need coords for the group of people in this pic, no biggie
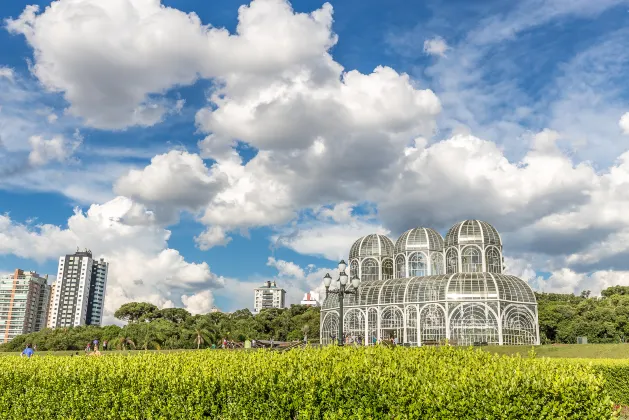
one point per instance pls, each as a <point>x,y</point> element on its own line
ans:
<point>93,346</point>
<point>90,348</point>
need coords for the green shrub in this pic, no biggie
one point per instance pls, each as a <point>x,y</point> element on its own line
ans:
<point>328,383</point>
<point>615,373</point>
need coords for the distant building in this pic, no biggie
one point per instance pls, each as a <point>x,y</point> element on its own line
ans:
<point>79,291</point>
<point>24,298</point>
<point>51,301</point>
<point>96,300</point>
<point>269,296</point>
<point>309,300</point>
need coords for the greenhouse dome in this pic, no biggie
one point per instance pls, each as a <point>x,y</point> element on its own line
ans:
<point>469,306</point>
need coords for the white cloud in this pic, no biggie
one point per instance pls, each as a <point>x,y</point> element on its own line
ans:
<point>568,281</point>
<point>57,149</point>
<point>111,59</point>
<point>198,303</point>
<point>286,268</point>
<point>624,123</point>
<point>340,213</point>
<point>330,240</point>
<point>7,73</point>
<point>211,237</point>
<point>436,46</point>
<point>176,179</point>
<point>142,267</point>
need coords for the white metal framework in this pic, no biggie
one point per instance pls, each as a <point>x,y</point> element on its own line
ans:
<point>459,295</point>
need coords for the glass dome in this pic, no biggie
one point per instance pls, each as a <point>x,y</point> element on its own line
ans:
<point>373,245</point>
<point>459,308</point>
<point>419,238</point>
<point>472,232</point>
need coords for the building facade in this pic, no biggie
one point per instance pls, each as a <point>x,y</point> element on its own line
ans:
<point>79,291</point>
<point>426,291</point>
<point>269,296</point>
<point>96,300</point>
<point>24,298</point>
<point>309,300</point>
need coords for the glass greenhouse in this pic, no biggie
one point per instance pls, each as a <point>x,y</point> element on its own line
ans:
<point>424,290</point>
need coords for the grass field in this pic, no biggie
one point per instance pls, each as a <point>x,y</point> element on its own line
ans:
<point>582,351</point>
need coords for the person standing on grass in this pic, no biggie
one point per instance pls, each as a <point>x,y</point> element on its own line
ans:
<point>105,345</point>
<point>95,342</point>
<point>28,351</point>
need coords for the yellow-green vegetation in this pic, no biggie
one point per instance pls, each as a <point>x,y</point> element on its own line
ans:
<point>583,351</point>
<point>435,383</point>
<point>615,373</point>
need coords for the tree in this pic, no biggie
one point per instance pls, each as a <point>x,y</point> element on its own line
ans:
<point>136,311</point>
<point>615,290</point>
<point>176,315</point>
<point>123,342</point>
<point>202,336</point>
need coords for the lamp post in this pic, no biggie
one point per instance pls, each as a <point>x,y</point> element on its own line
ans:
<point>341,291</point>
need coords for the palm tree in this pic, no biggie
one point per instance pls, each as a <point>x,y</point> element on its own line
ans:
<point>123,341</point>
<point>202,336</point>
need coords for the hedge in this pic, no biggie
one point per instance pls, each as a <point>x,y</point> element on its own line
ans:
<point>615,373</point>
<point>328,383</point>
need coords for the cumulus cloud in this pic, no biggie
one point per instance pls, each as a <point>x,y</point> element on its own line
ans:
<point>286,268</point>
<point>624,123</point>
<point>142,267</point>
<point>329,240</point>
<point>198,303</point>
<point>436,46</point>
<point>57,149</point>
<point>211,237</point>
<point>176,179</point>
<point>112,61</point>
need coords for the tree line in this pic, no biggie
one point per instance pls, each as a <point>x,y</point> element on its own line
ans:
<point>149,327</point>
<point>562,318</point>
<point>602,319</point>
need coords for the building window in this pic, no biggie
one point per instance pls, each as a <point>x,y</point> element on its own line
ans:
<point>387,270</point>
<point>353,269</point>
<point>452,261</point>
<point>369,270</point>
<point>437,263</point>
<point>472,260</point>
<point>417,265</point>
<point>492,260</point>
<point>400,267</point>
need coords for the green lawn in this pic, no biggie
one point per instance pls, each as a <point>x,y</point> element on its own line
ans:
<point>586,351</point>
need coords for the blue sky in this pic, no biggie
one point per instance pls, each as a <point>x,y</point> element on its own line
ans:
<point>314,124</point>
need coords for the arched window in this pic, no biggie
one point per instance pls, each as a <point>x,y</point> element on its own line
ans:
<point>400,267</point>
<point>437,263</point>
<point>353,269</point>
<point>369,270</point>
<point>492,259</point>
<point>387,269</point>
<point>452,261</point>
<point>471,260</point>
<point>417,265</point>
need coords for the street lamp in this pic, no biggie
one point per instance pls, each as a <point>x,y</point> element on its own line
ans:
<point>341,291</point>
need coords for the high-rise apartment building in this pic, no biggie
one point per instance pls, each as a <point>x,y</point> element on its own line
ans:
<point>96,300</point>
<point>268,296</point>
<point>24,300</point>
<point>79,291</point>
<point>51,302</point>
